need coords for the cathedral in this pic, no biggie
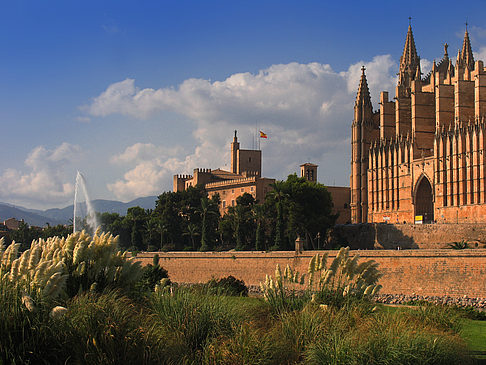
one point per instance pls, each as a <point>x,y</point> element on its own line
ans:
<point>421,158</point>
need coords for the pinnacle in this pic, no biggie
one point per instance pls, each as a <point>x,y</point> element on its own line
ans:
<point>409,56</point>
<point>409,60</point>
<point>363,95</point>
<point>466,52</point>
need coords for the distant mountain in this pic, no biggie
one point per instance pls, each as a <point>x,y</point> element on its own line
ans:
<point>55,216</point>
<point>33,219</point>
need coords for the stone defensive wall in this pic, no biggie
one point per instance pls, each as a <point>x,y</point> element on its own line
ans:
<point>408,236</point>
<point>454,273</point>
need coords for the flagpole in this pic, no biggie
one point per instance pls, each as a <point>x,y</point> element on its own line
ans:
<point>259,141</point>
<point>256,134</point>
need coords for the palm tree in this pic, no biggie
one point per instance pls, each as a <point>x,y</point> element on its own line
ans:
<point>259,214</point>
<point>205,211</point>
<point>279,195</point>
<point>191,230</point>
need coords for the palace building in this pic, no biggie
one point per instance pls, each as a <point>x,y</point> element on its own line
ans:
<point>244,177</point>
<point>421,157</point>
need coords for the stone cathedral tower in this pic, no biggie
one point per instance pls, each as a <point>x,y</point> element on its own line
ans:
<point>363,132</point>
<point>421,157</point>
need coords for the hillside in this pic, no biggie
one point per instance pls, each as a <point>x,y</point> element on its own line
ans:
<point>55,216</point>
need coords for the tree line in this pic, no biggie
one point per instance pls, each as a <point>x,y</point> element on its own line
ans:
<point>189,220</point>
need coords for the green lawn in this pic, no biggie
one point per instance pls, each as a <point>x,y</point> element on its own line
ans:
<point>474,333</point>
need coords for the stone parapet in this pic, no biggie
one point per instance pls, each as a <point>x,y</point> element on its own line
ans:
<point>218,184</point>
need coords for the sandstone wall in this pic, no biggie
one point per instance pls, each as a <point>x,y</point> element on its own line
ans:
<point>423,272</point>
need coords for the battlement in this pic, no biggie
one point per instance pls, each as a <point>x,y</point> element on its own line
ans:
<point>198,170</point>
<point>183,177</point>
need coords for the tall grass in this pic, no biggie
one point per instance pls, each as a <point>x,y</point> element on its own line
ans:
<point>26,336</point>
<point>399,337</point>
<point>249,346</point>
<point>341,283</point>
<point>105,329</point>
<point>185,322</point>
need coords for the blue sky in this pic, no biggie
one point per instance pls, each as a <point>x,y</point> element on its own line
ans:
<point>130,93</point>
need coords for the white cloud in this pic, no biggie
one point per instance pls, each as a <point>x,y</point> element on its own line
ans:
<point>379,74</point>
<point>143,180</point>
<point>481,54</point>
<point>49,178</point>
<point>288,91</point>
<point>306,109</point>
<point>425,66</point>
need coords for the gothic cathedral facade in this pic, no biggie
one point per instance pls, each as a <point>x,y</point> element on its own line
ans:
<point>421,157</point>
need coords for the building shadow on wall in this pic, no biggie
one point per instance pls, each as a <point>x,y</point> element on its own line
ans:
<point>370,236</point>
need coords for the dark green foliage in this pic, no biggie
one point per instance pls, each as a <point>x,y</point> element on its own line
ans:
<point>118,226</point>
<point>137,217</point>
<point>152,274</point>
<point>209,222</point>
<point>26,234</point>
<point>260,239</point>
<point>471,313</point>
<point>302,208</point>
<point>243,222</point>
<point>228,285</point>
<point>462,245</point>
<point>277,198</point>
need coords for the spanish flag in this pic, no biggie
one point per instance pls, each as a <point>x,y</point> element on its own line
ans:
<point>263,135</point>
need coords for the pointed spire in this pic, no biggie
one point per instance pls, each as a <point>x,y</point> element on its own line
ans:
<point>418,74</point>
<point>409,60</point>
<point>466,52</point>
<point>450,69</point>
<point>363,96</point>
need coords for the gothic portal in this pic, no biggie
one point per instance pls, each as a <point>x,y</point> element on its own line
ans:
<point>424,201</point>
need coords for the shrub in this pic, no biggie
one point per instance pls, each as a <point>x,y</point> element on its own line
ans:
<point>152,274</point>
<point>228,286</point>
<point>461,245</point>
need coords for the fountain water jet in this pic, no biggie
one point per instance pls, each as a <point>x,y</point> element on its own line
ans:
<point>91,220</point>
